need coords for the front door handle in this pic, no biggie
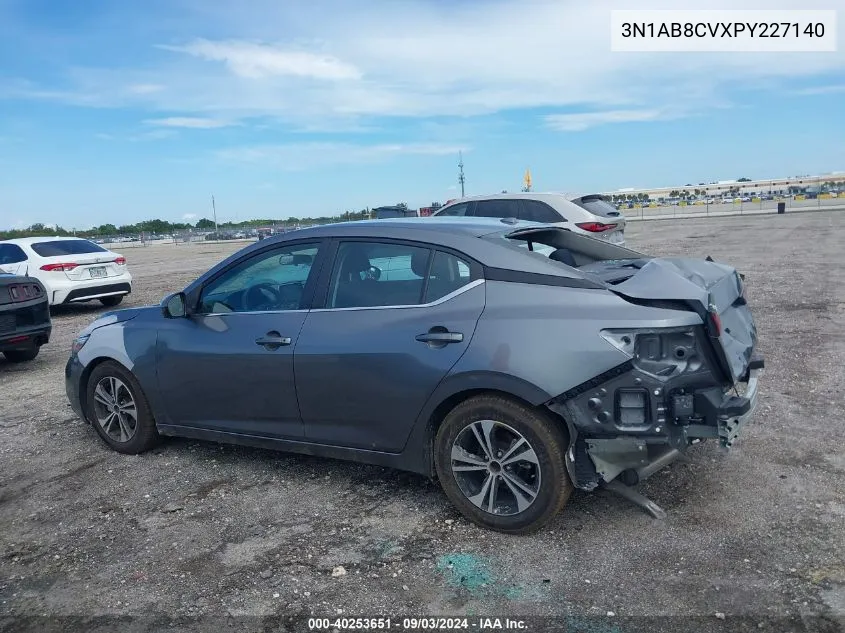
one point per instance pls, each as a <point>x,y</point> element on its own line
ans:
<point>272,340</point>
<point>440,337</point>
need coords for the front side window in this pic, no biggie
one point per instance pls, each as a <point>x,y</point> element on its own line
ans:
<point>372,274</point>
<point>61,248</point>
<point>11,254</point>
<point>455,210</point>
<point>269,282</point>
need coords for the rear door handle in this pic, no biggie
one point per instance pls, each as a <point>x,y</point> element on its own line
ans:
<point>440,337</point>
<point>272,340</point>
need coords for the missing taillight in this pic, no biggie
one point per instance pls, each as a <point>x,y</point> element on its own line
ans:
<point>715,324</point>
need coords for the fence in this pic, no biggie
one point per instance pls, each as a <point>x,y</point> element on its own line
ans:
<point>755,206</point>
<point>649,211</point>
<point>193,236</point>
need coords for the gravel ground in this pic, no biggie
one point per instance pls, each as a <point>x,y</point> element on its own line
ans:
<point>234,534</point>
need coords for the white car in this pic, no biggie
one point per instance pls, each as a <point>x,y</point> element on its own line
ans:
<point>71,269</point>
<point>588,215</point>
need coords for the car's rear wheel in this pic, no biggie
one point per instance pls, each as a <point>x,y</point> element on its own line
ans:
<point>110,302</point>
<point>502,464</point>
<point>22,355</point>
<point>118,410</point>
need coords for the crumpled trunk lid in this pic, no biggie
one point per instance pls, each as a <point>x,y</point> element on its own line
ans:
<point>707,288</point>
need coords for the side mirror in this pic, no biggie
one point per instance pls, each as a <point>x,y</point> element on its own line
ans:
<point>174,306</point>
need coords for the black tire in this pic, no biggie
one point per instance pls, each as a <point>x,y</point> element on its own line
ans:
<point>110,302</point>
<point>22,355</point>
<point>144,435</point>
<point>542,433</point>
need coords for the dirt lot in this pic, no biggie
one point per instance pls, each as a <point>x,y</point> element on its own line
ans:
<point>195,529</point>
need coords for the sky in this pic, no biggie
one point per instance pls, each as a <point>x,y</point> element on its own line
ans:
<point>114,111</point>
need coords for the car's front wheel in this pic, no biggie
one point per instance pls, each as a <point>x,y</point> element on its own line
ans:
<point>502,464</point>
<point>110,302</point>
<point>22,355</point>
<point>118,410</point>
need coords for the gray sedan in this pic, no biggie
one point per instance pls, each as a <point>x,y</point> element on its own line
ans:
<point>513,361</point>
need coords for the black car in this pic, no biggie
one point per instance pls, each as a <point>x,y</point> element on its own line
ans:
<point>24,317</point>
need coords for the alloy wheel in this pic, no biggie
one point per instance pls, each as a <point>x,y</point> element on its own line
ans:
<point>496,468</point>
<point>115,409</point>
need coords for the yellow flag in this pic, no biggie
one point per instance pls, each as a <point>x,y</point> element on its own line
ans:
<point>527,179</point>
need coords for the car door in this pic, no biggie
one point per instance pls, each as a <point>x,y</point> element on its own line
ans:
<point>396,317</point>
<point>229,366</point>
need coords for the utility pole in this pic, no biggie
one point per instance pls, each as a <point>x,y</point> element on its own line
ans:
<point>214,210</point>
<point>461,178</point>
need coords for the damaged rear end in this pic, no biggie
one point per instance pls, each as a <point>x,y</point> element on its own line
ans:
<point>679,385</point>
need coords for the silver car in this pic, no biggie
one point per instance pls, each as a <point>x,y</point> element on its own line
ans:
<point>585,214</point>
<point>451,347</point>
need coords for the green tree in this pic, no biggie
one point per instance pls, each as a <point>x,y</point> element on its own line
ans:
<point>204,223</point>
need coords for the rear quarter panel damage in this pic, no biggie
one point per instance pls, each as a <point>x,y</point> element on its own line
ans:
<point>549,336</point>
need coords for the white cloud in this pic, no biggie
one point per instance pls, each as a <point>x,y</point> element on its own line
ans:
<point>821,90</point>
<point>145,89</point>
<point>152,135</point>
<point>256,60</point>
<point>189,216</point>
<point>579,121</point>
<point>302,156</point>
<point>198,123</point>
<point>317,64</point>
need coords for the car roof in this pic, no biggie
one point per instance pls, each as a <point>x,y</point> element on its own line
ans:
<point>457,233</point>
<point>446,225</point>
<point>527,195</point>
<point>35,240</point>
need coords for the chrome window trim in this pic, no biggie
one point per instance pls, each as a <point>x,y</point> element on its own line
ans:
<point>445,298</point>
<point>451,295</point>
<point>218,314</point>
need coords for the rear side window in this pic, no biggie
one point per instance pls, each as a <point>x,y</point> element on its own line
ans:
<point>60,248</point>
<point>11,254</point>
<point>377,274</point>
<point>536,211</point>
<point>448,273</point>
<point>455,209</point>
<point>497,209</point>
<point>597,206</point>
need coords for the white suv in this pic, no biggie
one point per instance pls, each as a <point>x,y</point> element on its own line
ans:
<point>71,269</point>
<point>588,215</point>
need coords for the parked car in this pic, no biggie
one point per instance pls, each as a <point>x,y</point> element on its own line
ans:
<point>457,347</point>
<point>587,215</point>
<point>24,317</point>
<point>71,269</point>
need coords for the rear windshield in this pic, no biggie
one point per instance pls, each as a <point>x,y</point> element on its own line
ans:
<point>59,248</point>
<point>597,206</point>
